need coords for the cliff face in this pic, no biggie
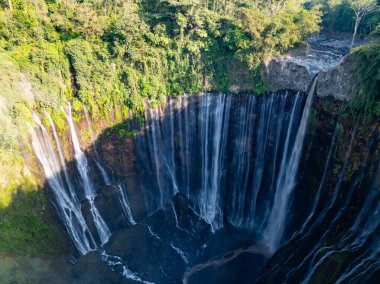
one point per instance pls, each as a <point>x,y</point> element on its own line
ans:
<point>119,154</point>
<point>130,159</point>
<point>132,153</point>
<point>295,71</point>
<point>340,81</point>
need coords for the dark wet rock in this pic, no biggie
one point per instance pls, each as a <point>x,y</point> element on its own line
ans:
<point>100,271</point>
<point>147,255</point>
<point>167,244</point>
<point>86,211</point>
<point>160,249</point>
<point>134,191</point>
<point>119,154</point>
<point>109,207</point>
<point>244,269</point>
<point>188,220</point>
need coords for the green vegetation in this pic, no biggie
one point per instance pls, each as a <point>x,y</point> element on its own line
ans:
<point>339,15</point>
<point>113,56</point>
<point>26,227</point>
<point>361,9</point>
<point>122,53</point>
<point>367,99</point>
<point>359,17</point>
<point>127,52</point>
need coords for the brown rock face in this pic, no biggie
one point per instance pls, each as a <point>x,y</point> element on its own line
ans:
<point>120,153</point>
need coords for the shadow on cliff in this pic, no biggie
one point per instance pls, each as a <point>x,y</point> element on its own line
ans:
<point>124,152</point>
<point>29,227</point>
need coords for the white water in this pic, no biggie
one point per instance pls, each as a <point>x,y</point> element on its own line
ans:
<point>80,158</point>
<point>212,155</point>
<point>66,203</point>
<point>182,254</point>
<point>125,204</point>
<point>241,160</point>
<point>288,172</point>
<point>254,122</point>
<point>116,261</point>
<point>243,172</point>
<point>67,198</point>
<point>240,144</point>
<point>83,169</point>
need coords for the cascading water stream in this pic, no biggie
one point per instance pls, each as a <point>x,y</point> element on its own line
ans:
<point>66,202</point>
<point>241,159</point>
<point>67,198</point>
<point>80,158</point>
<point>213,153</point>
<point>83,169</point>
<point>206,163</point>
<point>213,119</point>
<point>118,187</point>
<point>231,131</point>
<point>276,223</point>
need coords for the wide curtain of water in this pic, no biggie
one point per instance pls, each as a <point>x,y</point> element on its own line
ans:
<point>235,157</point>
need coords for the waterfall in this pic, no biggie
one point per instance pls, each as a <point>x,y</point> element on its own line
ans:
<point>65,199</point>
<point>107,180</point>
<point>80,158</point>
<point>215,117</point>
<point>125,204</point>
<point>241,161</point>
<point>288,172</point>
<point>83,169</point>
<point>157,153</point>
<point>222,151</point>
<point>215,163</point>
<point>171,165</point>
<point>188,136</point>
<point>234,156</point>
<point>236,159</point>
<point>67,196</point>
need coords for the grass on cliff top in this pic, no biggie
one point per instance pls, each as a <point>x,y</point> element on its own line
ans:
<point>27,227</point>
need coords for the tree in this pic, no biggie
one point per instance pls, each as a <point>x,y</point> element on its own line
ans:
<point>4,3</point>
<point>361,8</point>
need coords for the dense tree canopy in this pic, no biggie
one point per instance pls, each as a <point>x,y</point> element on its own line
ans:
<point>103,53</point>
<point>340,17</point>
<point>124,51</point>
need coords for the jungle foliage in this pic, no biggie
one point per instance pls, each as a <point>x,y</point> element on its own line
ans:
<point>102,53</point>
<point>129,51</point>
<point>339,15</point>
<point>367,100</point>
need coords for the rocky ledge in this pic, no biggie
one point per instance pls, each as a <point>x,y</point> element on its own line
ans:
<point>323,55</point>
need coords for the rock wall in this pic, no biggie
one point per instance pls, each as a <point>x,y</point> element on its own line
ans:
<point>337,75</point>
<point>341,81</point>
